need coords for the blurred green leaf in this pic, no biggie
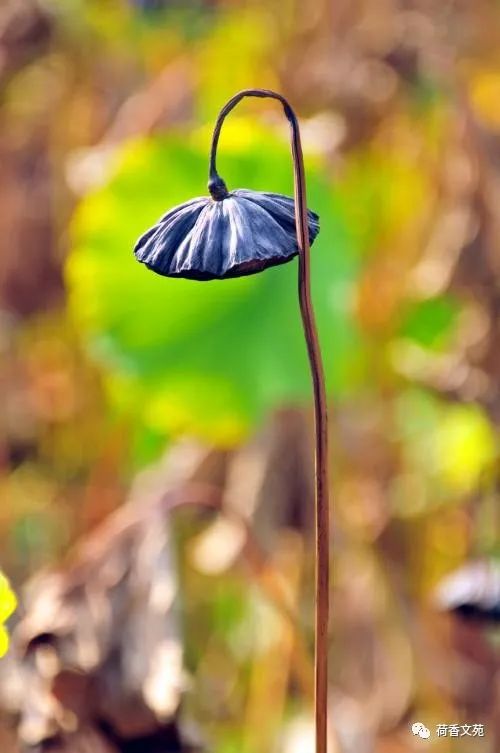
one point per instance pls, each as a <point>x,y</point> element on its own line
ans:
<point>207,358</point>
<point>431,322</point>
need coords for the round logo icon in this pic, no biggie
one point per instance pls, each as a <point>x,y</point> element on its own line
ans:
<point>421,730</point>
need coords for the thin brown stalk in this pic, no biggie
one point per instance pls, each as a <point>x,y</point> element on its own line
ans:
<point>217,188</point>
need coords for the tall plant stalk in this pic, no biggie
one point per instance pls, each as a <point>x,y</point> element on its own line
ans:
<point>218,189</point>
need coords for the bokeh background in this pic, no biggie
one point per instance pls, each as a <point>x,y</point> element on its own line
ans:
<point>122,391</point>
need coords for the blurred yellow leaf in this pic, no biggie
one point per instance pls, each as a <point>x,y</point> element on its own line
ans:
<point>8,605</point>
<point>4,641</point>
<point>464,445</point>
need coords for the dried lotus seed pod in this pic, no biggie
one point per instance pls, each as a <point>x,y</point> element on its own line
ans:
<point>240,233</point>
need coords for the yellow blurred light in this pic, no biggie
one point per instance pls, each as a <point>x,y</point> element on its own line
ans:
<point>464,445</point>
<point>485,96</point>
<point>8,605</point>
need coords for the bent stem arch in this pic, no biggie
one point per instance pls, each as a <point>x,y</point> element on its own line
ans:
<point>218,190</point>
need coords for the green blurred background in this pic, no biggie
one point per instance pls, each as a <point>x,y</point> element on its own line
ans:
<point>106,111</point>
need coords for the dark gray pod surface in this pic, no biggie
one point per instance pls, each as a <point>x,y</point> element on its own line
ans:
<point>241,234</point>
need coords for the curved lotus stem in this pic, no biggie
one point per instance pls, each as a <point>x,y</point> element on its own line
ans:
<point>218,190</point>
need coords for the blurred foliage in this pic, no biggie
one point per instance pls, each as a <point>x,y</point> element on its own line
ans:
<point>106,117</point>
<point>8,605</point>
